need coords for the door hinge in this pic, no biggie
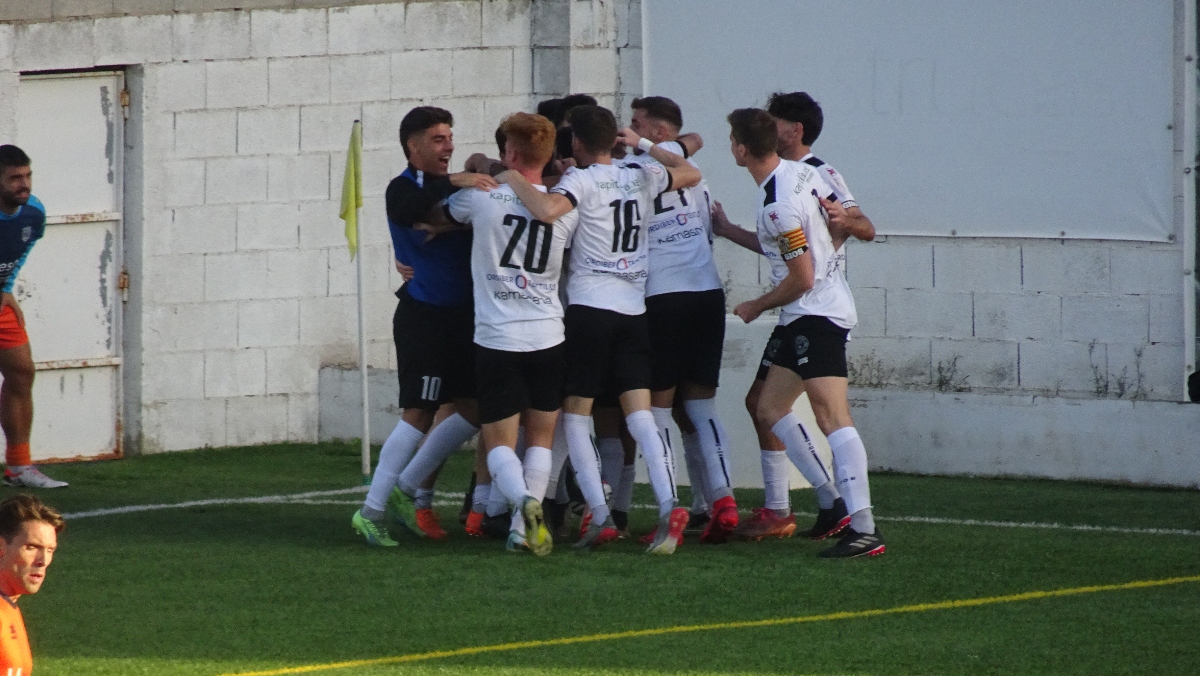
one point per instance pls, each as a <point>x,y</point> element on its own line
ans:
<point>125,103</point>
<point>123,285</point>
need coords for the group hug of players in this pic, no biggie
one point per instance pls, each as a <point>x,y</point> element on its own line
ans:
<point>571,283</point>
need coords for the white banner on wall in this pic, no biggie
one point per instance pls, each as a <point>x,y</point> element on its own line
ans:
<point>1010,119</point>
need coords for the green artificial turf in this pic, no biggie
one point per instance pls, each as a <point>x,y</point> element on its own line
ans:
<point>226,588</point>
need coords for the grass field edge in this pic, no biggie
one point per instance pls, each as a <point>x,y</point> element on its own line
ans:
<point>743,624</point>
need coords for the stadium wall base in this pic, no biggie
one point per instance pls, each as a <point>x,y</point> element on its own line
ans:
<point>1138,442</point>
<point>919,431</point>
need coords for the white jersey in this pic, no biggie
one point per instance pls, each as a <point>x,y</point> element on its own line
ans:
<point>790,222</point>
<point>515,262</point>
<point>680,232</point>
<point>838,192</point>
<point>608,253</point>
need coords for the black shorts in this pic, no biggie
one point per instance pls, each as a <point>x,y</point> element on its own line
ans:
<point>510,382</point>
<point>687,334</point>
<point>434,352</point>
<point>811,346</point>
<point>606,352</point>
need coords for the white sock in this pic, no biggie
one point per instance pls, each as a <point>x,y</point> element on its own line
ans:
<point>662,421</point>
<point>558,458</point>
<point>497,504</point>
<point>800,450</point>
<point>703,414</point>
<point>660,463</point>
<point>850,460</point>
<point>424,498</point>
<point>775,480</point>
<point>444,439</point>
<point>537,470</point>
<point>480,497</point>
<point>612,459</point>
<point>695,467</point>
<point>395,454</point>
<point>622,497</point>
<point>586,462</point>
<point>507,473</point>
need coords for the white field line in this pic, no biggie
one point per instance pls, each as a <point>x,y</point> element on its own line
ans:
<point>129,509</point>
<point>455,499</point>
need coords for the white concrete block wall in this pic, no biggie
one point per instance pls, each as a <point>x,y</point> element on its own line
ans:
<point>248,289</point>
<point>1079,319</point>
<point>247,285</point>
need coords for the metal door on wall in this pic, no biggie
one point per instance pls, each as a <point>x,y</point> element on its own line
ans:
<point>70,287</point>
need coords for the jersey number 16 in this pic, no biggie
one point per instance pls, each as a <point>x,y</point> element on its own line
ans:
<point>625,230</point>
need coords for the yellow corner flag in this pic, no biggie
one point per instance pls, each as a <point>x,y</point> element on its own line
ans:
<point>352,188</point>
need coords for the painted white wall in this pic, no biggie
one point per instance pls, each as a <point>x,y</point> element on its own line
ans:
<point>244,285</point>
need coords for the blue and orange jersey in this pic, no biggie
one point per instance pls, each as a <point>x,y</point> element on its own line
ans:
<point>17,236</point>
<point>442,265</point>
<point>15,656</point>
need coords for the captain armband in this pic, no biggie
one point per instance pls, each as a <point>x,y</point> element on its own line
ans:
<point>792,244</point>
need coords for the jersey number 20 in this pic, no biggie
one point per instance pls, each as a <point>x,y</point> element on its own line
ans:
<point>536,229</point>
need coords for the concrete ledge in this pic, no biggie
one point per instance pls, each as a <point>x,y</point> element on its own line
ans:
<point>45,10</point>
<point>340,403</point>
<point>1142,442</point>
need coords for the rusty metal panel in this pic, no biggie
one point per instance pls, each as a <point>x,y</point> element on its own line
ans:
<point>71,127</point>
<point>68,291</point>
<point>69,288</point>
<point>74,416</point>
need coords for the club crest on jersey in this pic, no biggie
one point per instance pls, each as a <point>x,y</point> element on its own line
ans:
<point>26,233</point>
<point>773,216</point>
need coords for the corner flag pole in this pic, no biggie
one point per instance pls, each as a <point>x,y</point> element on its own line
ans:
<point>351,209</point>
<point>362,365</point>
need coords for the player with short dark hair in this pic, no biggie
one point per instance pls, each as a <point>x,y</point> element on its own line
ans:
<point>807,350</point>
<point>432,329</point>
<point>685,309</point>
<point>22,223</point>
<point>798,123</point>
<point>28,539</point>
<point>607,344</point>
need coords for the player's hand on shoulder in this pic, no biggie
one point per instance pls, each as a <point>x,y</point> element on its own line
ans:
<point>747,311</point>
<point>467,179</point>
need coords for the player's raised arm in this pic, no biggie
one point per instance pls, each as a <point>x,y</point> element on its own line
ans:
<point>547,207</point>
<point>845,223</point>
<point>482,164</point>
<point>691,142</point>
<point>469,179</point>
<point>683,173</point>
<point>801,276</point>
